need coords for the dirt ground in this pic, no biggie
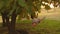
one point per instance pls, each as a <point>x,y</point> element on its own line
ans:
<point>53,14</point>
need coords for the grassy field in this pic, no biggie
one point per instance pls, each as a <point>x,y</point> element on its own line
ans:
<point>45,27</point>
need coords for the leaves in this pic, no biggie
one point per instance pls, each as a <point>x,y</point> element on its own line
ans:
<point>21,3</point>
<point>13,8</point>
<point>12,5</point>
<point>1,4</point>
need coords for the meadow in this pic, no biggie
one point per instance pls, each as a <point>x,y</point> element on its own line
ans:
<point>45,27</point>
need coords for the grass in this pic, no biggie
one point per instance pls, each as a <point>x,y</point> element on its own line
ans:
<point>45,27</point>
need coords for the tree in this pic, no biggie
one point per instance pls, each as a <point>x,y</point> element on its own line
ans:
<point>11,8</point>
<point>47,7</point>
<point>5,12</point>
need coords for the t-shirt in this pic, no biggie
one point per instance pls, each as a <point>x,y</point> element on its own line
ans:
<point>36,20</point>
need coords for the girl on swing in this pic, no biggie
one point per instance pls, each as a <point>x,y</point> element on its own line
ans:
<point>36,20</point>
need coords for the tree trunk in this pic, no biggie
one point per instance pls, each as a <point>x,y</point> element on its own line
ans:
<point>8,24</point>
<point>3,20</point>
<point>12,25</point>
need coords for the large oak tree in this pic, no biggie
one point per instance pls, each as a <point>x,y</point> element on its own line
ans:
<point>9,9</point>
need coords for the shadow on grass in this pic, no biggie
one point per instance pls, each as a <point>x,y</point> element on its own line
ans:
<point>45,27</point>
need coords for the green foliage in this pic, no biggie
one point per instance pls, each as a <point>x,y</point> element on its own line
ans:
<point>1,4</point>
<point>17,4</point>
<point>22,3</point>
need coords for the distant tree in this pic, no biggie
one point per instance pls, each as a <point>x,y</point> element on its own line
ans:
<point>47,7</point>
<point>46,2</point>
